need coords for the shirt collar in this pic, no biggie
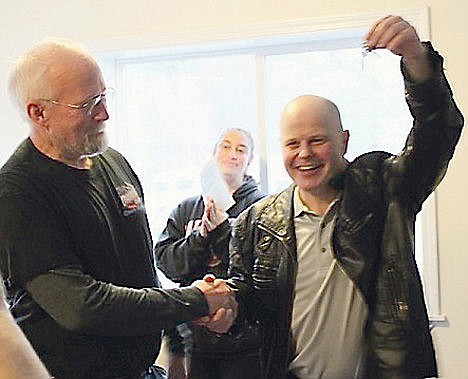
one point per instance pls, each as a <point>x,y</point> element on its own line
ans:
<point>300,208</point>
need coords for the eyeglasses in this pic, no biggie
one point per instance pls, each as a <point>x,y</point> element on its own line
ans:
<point>89,104</point>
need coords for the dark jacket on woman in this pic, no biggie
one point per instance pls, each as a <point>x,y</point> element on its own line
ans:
<point>184,259</point>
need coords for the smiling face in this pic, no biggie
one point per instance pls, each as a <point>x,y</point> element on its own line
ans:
<point>233,154</point>
<point>313,145</point>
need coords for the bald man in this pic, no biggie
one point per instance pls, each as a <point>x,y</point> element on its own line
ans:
<point>75,245</point>
<point>327,266</point>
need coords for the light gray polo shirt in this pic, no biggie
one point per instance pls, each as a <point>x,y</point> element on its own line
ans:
<point>329,312</point>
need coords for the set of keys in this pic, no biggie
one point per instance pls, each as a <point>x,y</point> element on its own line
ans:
<point>365,50</point>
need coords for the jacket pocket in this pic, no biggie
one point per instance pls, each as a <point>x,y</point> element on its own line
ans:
<point>399,302</point>
<point>265,266</point>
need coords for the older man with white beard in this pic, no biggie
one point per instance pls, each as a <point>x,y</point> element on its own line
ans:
<point>75,245</point>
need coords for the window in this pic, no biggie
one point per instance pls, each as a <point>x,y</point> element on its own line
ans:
<point>171,104</point>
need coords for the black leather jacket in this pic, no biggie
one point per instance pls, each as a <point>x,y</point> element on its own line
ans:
<point>185,259</point>
<point>373,241</point>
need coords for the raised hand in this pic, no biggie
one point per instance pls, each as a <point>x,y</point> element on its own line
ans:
<point>397,35</point>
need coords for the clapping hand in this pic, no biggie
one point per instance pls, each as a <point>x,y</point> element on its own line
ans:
<point>212,217</point>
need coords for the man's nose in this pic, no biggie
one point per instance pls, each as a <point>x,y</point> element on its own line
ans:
<point>101,112</point>
<point>305,151</point>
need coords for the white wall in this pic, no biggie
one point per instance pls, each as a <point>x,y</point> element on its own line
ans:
<point>132,24</point>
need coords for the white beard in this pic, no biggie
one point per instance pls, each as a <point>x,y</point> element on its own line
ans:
<point>87,148</point>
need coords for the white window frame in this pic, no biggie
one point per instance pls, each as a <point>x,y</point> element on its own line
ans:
<point>260,36</point>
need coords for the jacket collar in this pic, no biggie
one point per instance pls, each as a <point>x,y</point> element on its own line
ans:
<point>276,216</point>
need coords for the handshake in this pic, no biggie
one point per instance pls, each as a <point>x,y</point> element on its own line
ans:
<point>221,301</point>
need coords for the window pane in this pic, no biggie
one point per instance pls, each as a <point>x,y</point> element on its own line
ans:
<point>368,92</point>
<point>170,109</point>
<point>173,110</point>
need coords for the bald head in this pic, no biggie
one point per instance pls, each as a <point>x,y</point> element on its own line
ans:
<point>313,144</point>
<point>315,109</point>
<point>48,62</point>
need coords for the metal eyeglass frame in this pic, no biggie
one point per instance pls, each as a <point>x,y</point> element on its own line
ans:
<point>90,103</point>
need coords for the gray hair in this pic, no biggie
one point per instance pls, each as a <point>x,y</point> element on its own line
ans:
<point>27,79</point>
<point>245,133</point>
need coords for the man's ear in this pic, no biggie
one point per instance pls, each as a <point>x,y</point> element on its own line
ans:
<point>345,141</point>
<point>36,114</point>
